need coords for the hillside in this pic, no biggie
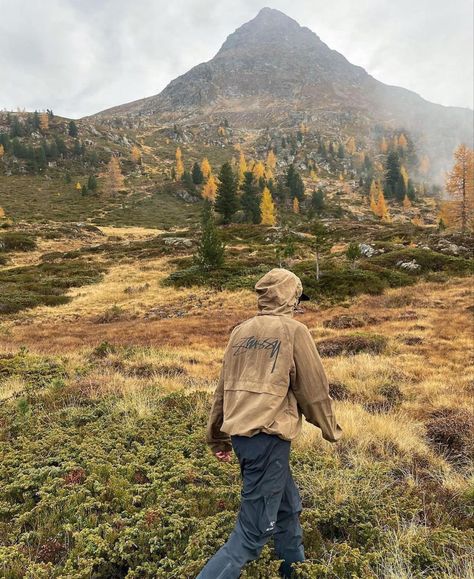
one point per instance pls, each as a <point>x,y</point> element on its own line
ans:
<point>273,72</point>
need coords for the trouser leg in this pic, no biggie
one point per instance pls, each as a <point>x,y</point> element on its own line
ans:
<point>264,463</point>
<point>288,533</point>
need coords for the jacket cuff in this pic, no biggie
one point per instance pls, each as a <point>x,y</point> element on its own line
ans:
<point>221,446</point>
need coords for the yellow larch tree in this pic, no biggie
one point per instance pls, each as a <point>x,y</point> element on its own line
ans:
<point>418,221</point>
<point>179,167</point>
<point>313,175</point>
<point>242,167</point>
<point>267,208</point>
<point>221,131</point>
<point>296,205</point>
<point>373,197</point>
<point>425,165</point>
<point>44,121</point>
<point>206,168</point>
<point>351,145</point>
<point>402,141</point>
<point>404,174</point>
<point>459,209</point>
<point>258,170</point>
<point>114,180</point>
<point>271,160</point>
<point>406,202</point>
<point>382,208</point>
<point>78,186</point>
<point>136,155</point>
<point>2,213</point>
<point>2,151</point>
<point>210,189</point>
<point>383,145</point>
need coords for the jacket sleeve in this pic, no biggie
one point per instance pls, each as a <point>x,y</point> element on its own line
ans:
<point>216,439</point>
<point>310,386</point>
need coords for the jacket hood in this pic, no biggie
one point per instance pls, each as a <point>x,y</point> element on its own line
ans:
<point>278,292</point>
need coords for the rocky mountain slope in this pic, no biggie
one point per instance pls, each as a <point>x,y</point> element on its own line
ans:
<point>273,72</point>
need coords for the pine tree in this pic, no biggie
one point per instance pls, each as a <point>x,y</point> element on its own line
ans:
<point>459,210</point>
<point>36,121</point>
<point>197,174</point>
<point>296,205</point>
<point>210,189</point>
<point>267,208</point>
<point>250,199</point>
<point>114,181</point>
<point>206,168</point>
<point>227,201</point>
<point>136,155</point>
<point>340,151</point>
<point>179,167</point>
<point>394,183</point>
<point>72,129</point>
<point>317,201</point>
<point>353,253</point>
<point>295,183</point>
<point>92,183</point>
<point>210,251</point>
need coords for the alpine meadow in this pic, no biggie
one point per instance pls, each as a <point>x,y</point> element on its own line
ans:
<point>130,244</point>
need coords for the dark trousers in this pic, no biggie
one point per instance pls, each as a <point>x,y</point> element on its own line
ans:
<point>270,507</point>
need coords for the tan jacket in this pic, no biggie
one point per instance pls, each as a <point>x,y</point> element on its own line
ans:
<point>271,372</point>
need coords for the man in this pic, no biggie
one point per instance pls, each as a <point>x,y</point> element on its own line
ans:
<point>271,374</point>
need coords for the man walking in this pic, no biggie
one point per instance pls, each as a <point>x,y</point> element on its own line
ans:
<point>271,375</point>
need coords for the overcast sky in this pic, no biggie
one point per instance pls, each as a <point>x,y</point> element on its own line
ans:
<point>81,56</point>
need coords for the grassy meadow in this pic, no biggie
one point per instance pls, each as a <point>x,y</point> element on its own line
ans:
<point>105,385</point>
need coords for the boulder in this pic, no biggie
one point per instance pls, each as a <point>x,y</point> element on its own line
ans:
<point>185,196</point>
<point>366,250</point>
<point>178,242</point>
<point>409,265</point>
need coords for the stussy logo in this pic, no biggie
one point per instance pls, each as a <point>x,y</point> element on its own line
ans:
<point>254,343</point>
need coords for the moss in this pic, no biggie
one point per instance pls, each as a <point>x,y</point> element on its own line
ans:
<point>44,284</point>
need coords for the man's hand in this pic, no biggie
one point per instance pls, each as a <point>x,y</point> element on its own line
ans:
<point>224,455</point>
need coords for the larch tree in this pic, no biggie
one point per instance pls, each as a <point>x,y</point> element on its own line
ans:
<point>296,205</point>
<point>78,186</point>
<point>242,167</point>
<point>383,146</point>
<point>404,174</point>
<point>424,167</point>
<point>351,146</point>
<point>206,168</point>
<point>114,180</point>
<point>271,160</point>
<point>459,209</point>
<point>406,202</point>
<point>227,201</point>
<point>2,151</point>
<point>44,121</point>
<point>313,174</point>
<point>210,189</point>
<point>267,208</point>
<point>382,209</point>
<point>402,142</point>
<point>2,213</point>
<point>179,166</point>
<point>258,170</point>
<point>136,155</point>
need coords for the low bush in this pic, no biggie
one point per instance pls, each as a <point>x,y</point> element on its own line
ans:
<point>352,344</point>
<point>17,241</point>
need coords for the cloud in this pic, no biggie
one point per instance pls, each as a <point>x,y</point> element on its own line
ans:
<point>81,56</point>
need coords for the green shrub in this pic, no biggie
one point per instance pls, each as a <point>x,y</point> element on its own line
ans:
<point>17,241</point>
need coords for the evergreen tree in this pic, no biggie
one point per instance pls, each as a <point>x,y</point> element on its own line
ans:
<point>394,183</point>
<point>197,174</point>
<point>92,183</point>
<point>340,151</point>
<point>353,253</point>
<point>227,201</point>
<point>72,129</point>
<point>210,252</point>
<point>317,201</point>
<point>295,183</point>
<point>320,243</point>
<point>16,129</point>
<point>250,200</point>
<point>188,181</point>
<point>36,121</point>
